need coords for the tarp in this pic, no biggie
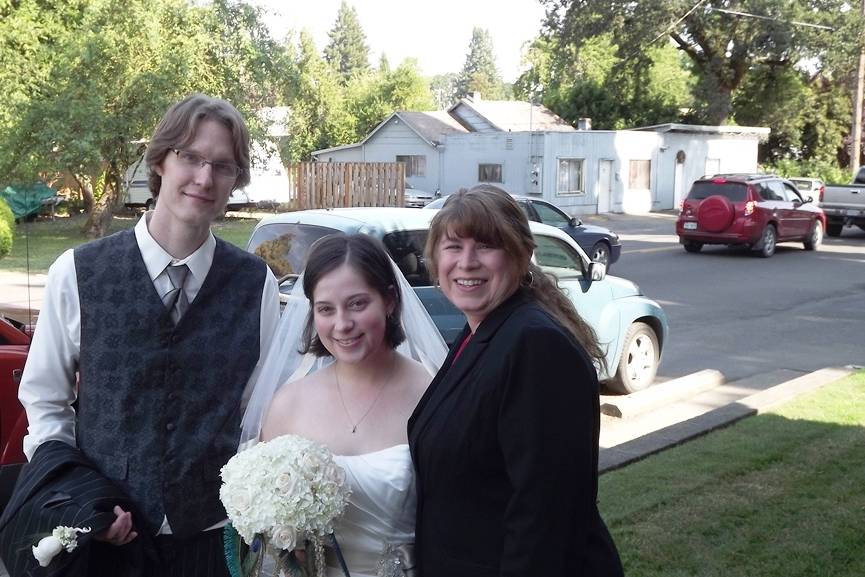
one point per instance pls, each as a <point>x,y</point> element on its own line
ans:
<point>25,200</point>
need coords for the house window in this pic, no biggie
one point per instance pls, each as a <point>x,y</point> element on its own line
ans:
<point>571,176</point>
<point>489,173</point>
<point>415,164</point>
<point>640,175</point>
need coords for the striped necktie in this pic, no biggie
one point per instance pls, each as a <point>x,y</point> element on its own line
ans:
<point>176,300</point>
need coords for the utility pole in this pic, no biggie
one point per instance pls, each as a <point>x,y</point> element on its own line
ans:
<point>856,145</point>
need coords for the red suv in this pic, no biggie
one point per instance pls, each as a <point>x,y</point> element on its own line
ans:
<point>757,211</point>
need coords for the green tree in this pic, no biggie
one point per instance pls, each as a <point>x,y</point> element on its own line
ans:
<point>595,81</point>
<point>444,90</point>
<point>722,46</point>
<point>372,98</point>
<point>347,51</point>
<point>109,77</point>
<point>319,118</point>
<point>480,73</point>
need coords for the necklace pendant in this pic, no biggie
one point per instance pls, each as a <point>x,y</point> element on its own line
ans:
<point>354,430</point>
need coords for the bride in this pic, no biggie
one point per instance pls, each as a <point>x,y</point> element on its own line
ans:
<point>351,381</point>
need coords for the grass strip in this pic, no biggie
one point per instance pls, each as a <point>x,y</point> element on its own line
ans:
<point>779,494</point>
<point>48,239</point>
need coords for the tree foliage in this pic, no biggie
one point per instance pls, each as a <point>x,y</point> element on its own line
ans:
<point>347,51</point>
<point>739,61</point>
<point>105,74</point>
<point>480,73</point>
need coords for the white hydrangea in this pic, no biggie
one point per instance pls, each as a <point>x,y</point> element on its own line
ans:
<point>283,488</point>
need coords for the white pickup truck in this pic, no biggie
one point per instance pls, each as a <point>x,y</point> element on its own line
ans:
<point>844,204</point>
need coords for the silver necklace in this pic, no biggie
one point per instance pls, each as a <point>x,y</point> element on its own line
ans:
<point>351,422</point>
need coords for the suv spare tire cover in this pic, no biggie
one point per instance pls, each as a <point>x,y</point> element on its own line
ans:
<point>715,213</point>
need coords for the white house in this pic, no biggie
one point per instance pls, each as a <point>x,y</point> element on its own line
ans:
<point>527,149</point>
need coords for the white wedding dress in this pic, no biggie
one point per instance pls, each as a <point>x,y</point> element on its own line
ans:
<point>380,512</point>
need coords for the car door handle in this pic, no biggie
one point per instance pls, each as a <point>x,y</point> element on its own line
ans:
<point>16,376</point>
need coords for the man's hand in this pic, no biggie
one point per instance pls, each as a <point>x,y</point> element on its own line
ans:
<point>120,532</point>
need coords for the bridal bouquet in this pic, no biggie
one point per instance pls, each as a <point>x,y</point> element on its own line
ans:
<point>284,491</point>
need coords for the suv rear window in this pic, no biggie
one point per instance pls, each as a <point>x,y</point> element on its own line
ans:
<point>406,249</point>
<point>734,191</point>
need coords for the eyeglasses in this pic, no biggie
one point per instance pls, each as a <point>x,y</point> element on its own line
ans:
<point>220,169</point>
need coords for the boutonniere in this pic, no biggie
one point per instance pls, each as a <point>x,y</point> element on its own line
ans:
<point>60,538</point>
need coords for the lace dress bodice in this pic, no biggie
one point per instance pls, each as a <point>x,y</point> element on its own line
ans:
<point>380,513</point>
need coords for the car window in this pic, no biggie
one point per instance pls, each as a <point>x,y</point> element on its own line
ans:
<point>791,193</point>
<point>284,246</point>
<point>734,191</point>
<point>777,189</point>
<point>549,215</point>
<point>767,192</point>
<point>554,255</point>
<point>406,249</point>
<point>803,184</point>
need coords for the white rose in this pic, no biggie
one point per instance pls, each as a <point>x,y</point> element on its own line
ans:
<point>284,537</point>
<point>47,549</point>
<point>241,501</point>
<point>286,482</point>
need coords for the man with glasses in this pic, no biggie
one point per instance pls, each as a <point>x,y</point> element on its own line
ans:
<point>161,327</point>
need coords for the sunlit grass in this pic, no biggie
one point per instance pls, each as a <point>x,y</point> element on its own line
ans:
<point>779,494</point>
<point>42,241</point>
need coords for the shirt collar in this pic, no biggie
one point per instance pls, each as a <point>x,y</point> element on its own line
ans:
<point>156,258</point>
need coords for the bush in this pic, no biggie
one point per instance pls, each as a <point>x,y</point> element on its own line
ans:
<point>829,173</point>
<point>7,225</point>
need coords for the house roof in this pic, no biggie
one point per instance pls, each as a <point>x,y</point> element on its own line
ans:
<point>431,125</point>
<point>512,115</point>
<point>760,131</point>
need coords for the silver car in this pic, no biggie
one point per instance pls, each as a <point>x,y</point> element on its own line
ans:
<point>631,327</point>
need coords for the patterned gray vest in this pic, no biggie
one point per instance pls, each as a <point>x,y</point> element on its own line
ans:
<point>159,405</point>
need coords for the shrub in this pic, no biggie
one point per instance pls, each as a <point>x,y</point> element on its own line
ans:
<point>7,225</point>
<point>829,173</point>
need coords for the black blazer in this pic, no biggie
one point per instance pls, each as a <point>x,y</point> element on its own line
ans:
<point>60,486</point>
<point>505,446</point>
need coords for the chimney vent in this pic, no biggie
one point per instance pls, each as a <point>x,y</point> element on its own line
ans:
<point>584,124</point>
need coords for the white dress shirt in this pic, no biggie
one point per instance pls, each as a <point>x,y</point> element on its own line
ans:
<point>47,388</point>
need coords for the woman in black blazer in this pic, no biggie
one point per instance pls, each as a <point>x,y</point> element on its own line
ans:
<point>505,439</point>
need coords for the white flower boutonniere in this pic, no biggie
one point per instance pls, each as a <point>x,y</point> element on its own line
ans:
<point>60,538</point>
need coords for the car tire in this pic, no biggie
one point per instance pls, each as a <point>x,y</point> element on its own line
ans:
<point>693,246</point>
<point>768,241</point>
<point>601,253</point>
<point>639,362</point>
<point>815,237</point>
<point>834,229</point>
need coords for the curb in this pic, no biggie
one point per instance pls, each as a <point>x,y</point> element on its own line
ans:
<point>661,394</point>
<point>626,453</point>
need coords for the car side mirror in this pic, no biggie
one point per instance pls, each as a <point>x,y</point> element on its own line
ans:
<point>597,271</point>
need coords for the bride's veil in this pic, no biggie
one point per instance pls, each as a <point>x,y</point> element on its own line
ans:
<point>284,363</point>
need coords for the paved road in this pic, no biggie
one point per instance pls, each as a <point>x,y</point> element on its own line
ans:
<point>746,316</point>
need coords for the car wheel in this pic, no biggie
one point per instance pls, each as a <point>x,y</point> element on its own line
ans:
<point>768,241</point>
<point>601,253</point>
<point>834,229</point>
<point>816,237</point>
<point>639,362</point>
<point>693,246</point>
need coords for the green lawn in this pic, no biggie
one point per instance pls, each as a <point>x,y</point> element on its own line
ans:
<point>779,494</point>
<point>45,240</point>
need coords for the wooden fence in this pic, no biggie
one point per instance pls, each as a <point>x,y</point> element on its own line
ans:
<point>340,184</point>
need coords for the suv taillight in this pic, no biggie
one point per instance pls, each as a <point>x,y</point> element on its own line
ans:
<point>749,208</point>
